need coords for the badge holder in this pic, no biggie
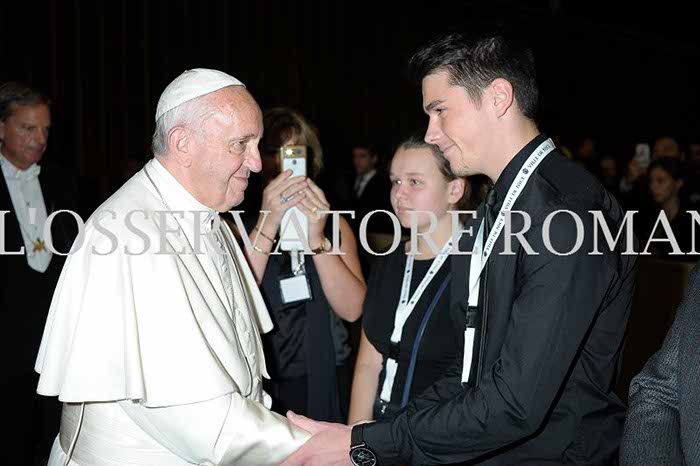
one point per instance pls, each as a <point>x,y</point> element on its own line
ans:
<point>295,286</point>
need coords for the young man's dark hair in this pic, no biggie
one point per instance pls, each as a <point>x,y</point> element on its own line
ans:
<point>474,63</point>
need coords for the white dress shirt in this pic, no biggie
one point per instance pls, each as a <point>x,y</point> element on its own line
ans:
<point>362,181</point>
<point>30,209</point>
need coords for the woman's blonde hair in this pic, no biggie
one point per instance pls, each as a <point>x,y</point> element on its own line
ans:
<point>283,124</point>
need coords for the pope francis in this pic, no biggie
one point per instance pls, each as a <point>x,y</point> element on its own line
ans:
<point>152,341</point>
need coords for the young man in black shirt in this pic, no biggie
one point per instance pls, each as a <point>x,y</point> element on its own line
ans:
<point>549,323</point>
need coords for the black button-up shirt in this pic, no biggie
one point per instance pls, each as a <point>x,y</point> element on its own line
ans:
<point>553,339</point>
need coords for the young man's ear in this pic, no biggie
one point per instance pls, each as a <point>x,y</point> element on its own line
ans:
<point>501,96</point>
<point>180,144</point>
<point>456,190</point>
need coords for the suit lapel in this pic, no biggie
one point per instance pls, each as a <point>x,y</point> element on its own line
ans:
<point>13,234</point>
<point>46,190</point>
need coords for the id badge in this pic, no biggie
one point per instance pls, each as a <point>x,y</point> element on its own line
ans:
<point>295,288</point>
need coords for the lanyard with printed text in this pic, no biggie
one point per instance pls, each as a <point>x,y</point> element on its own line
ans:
<point>482,250</point>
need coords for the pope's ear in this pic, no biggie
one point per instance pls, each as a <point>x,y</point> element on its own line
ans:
<point>180,144</point>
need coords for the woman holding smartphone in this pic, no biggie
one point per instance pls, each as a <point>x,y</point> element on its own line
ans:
<point>308,346</point>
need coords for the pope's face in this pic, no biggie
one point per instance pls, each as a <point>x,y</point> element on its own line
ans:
<point>25,134</point>
<point>226,149</point>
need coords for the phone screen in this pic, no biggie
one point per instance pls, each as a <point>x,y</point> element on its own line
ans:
<point>642,154</point>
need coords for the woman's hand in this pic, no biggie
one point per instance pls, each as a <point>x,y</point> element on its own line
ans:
<point>313,203</point>
<point>634,171</point>
<point>282,193</point>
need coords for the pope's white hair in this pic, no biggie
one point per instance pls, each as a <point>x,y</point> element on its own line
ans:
<point>187,115</point>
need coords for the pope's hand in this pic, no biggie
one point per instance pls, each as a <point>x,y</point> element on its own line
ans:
<point>328,446</point>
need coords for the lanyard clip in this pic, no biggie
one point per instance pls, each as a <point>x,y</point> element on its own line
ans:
<point>393,352</point>
<point>472,313</point>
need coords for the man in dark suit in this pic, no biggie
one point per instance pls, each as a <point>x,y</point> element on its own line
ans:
<point>29,193</point>
<point>546,332</point>
<point>663,419</point>
<point>370,190</point>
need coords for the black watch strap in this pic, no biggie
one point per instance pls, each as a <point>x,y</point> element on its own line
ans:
<point>356,436</point>
<point>360,453</point>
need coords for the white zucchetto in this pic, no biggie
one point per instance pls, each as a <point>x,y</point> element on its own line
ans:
<point>192,84</point>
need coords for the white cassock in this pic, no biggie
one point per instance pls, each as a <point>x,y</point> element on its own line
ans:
<point>157,357</point>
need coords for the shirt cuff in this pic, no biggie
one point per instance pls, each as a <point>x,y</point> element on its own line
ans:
<point>378,437</point>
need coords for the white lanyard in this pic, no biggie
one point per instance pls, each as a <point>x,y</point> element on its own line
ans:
<point>405,308</point>
<point>297,261</point>
<point>482,251</point>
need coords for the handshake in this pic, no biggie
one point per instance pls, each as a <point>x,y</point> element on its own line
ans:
<point>330,444</point>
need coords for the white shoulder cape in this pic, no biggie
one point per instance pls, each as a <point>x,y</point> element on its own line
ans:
<point>147,327</point>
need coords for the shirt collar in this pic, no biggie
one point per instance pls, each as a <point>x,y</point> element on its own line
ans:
<point>511,171</point>
<point>177,197</point>
<point>13,173</point>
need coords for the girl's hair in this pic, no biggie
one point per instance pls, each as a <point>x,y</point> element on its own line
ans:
<point>416,141</point>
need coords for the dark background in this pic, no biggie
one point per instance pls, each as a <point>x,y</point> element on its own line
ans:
<point>621,73</point>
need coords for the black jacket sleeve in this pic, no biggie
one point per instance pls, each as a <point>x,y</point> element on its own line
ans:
<point>548,326</point>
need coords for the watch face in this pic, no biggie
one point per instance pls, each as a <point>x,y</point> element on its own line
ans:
<point>363,457</point>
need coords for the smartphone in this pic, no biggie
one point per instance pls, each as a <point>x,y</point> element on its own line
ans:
<point>293,158</point>
<point>642,154</point>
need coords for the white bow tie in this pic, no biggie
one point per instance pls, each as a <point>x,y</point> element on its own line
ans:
<point>25,175</point>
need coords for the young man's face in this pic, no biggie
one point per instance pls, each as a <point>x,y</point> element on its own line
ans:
<point>458,126</point>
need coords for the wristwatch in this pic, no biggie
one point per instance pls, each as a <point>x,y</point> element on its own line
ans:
<point>360,453</point>
<point>325,246</point>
